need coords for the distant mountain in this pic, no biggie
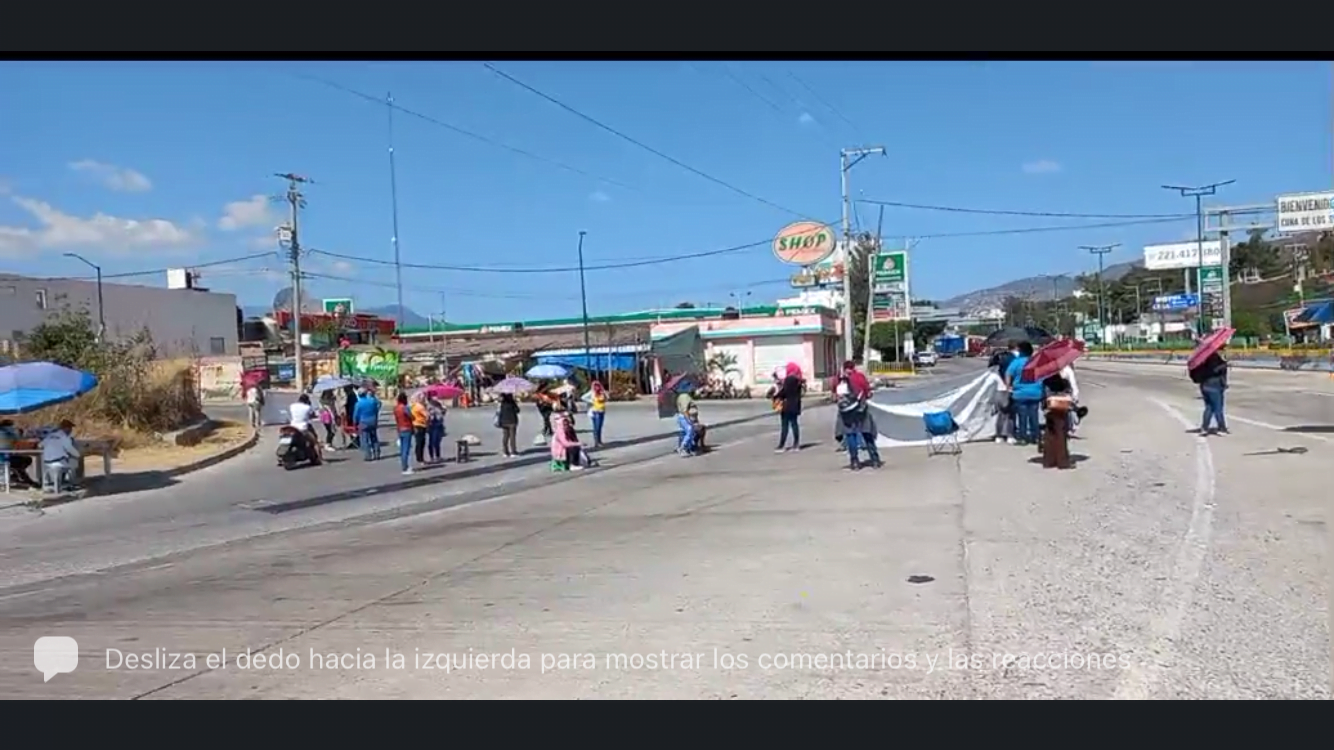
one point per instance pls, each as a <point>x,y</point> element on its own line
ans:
<point>411,318</point>
<point>1038,287</point>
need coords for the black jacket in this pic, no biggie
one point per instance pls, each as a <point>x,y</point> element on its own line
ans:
<point>790,394</point>
<point>1212,372</point>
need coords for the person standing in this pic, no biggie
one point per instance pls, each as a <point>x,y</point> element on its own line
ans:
<point>1211,376</point>
<point>421,419</point>
<point>366,416</point>
<point>1001,403</point>
<point>788,398</point>
<point>545,405</point>
<point>435,428</point>
<point>597,411</point>
<point>1025,394</point>
<point>403,423</point>
<point>507,419</point>
<point>254,400</point>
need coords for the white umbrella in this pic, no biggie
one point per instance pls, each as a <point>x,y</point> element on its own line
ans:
<point>330,383</point>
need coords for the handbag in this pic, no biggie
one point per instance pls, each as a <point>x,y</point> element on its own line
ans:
<point>495,418</point>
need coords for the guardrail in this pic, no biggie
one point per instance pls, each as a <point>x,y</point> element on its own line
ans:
<point>1286,362</point>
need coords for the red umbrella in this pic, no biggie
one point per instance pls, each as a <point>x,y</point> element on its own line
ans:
<point>443,391</point>
<point>1051,359</point>
<point>1208,345</point>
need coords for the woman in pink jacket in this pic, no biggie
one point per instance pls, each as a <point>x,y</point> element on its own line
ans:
<point>565,448</point>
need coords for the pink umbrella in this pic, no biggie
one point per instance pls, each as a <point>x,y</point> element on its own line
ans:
<point>443,391</point>
<point>1208,345</point>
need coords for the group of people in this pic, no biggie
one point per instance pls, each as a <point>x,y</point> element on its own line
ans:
<point>854,426</point>
<point>58,450</point>
<point>1019,400</point>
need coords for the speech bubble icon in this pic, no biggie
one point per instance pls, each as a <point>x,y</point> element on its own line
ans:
<point>55,654</point>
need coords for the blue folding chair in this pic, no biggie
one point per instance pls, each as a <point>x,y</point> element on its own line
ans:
<point>942,434</point>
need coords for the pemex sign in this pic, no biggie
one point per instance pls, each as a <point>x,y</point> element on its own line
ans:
<point>804,243</point>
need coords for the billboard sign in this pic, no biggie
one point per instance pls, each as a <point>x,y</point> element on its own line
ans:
<point>1176,302</point>
<point>804,243</point>
<point>823,276</point>
<point>339,307</point>
<point>1306,212</point>
<point>1181,255</point>
<point>889,287</point>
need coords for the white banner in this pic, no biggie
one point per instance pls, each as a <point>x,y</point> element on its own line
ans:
<point>1182,255</point>
<point>1306,212</point>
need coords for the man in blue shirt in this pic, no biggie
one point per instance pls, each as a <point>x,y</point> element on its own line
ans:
<point>367,417</point>
<point>1026,396</point>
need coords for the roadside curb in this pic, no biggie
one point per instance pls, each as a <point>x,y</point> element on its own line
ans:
<point>1319,369</point>
<point>216,458</point>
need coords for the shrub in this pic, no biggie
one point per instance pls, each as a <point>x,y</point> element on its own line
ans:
<point>136,397</point>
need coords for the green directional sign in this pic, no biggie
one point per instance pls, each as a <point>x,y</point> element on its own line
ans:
<point>889,286</point>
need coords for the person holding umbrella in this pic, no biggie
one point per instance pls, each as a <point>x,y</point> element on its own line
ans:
<point>1208,369</point>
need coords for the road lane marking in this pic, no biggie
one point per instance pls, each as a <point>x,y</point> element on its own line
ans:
<point>1137,683</point>
<point>1276,428</point>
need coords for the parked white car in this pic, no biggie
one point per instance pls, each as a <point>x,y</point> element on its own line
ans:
<point>925,359</point>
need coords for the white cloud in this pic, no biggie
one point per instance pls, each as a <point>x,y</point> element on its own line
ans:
<point>99,232</point>
<point>342,266</point>
<point>806,118</point>
<point>120,179</point>
<point>263,242</point>
<point>256,211</point>
<point>1042,166</point>
<point>599,197</point>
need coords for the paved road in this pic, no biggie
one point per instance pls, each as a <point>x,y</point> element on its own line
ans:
<point>1188,567</point>
<point>250,495</point>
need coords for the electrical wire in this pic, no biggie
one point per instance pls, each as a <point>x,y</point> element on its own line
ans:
<point>744,247</point>
<point>640,144</point>
<point>463,132</point>
<point>821,100</point>
<point>1041,214</point>
<point>160,271</point>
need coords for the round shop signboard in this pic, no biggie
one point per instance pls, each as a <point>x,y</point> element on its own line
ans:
<point>804,243</point>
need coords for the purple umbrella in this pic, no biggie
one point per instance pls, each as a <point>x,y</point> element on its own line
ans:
<point>30,386</point>
<point>514,386</point>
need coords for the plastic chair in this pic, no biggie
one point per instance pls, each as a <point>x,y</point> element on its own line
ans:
<point>53,476</point>
<point>942,434</point>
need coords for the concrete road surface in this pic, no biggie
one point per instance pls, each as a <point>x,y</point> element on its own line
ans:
<point>251,495</point>
<point>1165,565</point>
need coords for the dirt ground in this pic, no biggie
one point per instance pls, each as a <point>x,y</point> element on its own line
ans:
<point>164,456</point>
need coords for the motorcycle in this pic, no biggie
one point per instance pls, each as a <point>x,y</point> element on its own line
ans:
<point>295,448</point>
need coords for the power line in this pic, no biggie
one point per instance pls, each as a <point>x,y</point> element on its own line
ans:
<point>997,212</point>
<point>466,133</point>
<point>738,248</point>
<point>640,144</point>
<point>824,103</point>
<point>160,271</point>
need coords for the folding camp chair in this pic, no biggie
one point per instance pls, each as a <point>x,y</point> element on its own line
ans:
<point>942,433</point>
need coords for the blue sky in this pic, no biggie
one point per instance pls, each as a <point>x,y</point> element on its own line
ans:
<point>147,165</point>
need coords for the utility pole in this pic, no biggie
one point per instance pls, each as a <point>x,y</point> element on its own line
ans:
<point>295,201</point>
<point>583,297</point>
<point>1100,251</point>
<point>101,313</point>
<point>444,332</point>
<point>393,200</point>
<point>849,158</point>
<point>1198,194</point>
<point>870,287</point>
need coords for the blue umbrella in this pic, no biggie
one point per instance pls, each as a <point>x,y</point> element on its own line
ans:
<point>548,372</point>
<point>30,386</point>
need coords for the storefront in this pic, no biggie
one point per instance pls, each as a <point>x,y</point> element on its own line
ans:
<point>746,350</point>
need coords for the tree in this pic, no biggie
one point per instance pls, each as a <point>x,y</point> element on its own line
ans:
<point>1251,324</point>
<point>685,305</point>
<point>857,267</point>
<point>888,337</point>
<point>722,363</point>
<point>67,337</point>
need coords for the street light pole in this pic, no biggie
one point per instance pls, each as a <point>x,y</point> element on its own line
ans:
<point>583,297</point>
<point>101,313</point>
<point>1100,251</point>
<point>1198,194</point>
